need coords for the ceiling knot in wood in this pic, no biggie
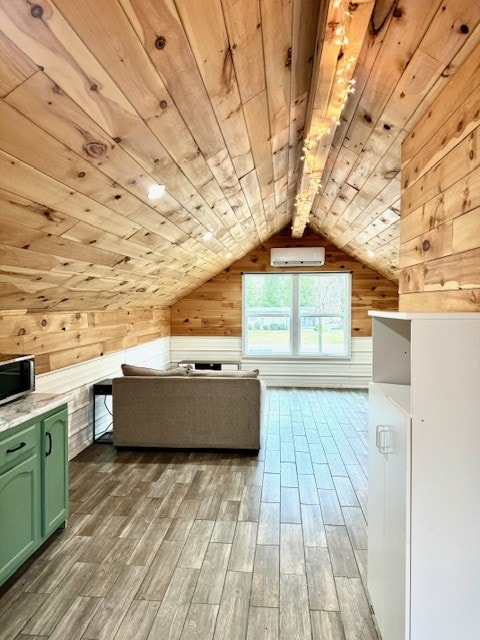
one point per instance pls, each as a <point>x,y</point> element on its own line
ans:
<point>288,58</point>
<point>48,213</point>
<point>227,68</point>
<point>36,11</point>
<point>391,174</point>
<point>95,149</point>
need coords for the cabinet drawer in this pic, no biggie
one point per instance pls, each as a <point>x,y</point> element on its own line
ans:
<point>17,445</point>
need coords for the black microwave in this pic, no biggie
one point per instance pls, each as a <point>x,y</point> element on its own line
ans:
<point>17,376</point>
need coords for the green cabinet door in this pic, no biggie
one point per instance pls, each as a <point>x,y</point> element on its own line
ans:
<point>54,471</point>
<point>19,514</point>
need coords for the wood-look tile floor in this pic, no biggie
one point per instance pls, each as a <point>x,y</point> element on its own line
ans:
<point>179,545</point>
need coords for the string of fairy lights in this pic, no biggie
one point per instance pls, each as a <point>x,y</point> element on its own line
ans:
<point>321,129</point>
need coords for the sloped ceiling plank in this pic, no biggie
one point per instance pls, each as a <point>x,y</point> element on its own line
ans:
<point>104,107</point>
<point>277,20</point>
<point>378,190</point>
<point>14,66</point>
<point>256,116</point>
<point>53,197</point>
<point>55,112</point>
<point>214,59</point>
<point>176,65</point>
<point>199,256</point>
<point>243,24</point>
<point>367,213</point>
<point>33,44</point>
<point>170,130</point>
<point>428,42</point>
<point>35,147</point>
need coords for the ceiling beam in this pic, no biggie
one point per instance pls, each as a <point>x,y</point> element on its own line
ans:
<point>340,37</point>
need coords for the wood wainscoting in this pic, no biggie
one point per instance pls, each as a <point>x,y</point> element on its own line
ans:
<point>215,308</point>
<point>440,225</point>
<point>62,338</point>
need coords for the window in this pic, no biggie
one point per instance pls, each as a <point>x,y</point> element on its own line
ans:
<point>296,315</point>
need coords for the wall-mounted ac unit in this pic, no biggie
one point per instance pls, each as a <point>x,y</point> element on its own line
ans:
<point>297,257</point>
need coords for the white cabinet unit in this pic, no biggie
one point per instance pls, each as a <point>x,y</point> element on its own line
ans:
<point>389,462</point>
<point>424,494</point>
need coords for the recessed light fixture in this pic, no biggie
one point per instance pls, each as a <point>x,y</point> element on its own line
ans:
<point>156,191</point>
<point>208,235</point>
<point>370,253</point>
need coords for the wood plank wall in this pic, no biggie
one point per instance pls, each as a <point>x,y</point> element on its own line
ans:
<point>216,307</point>
<point>440,224</point>
<point>59,339</point>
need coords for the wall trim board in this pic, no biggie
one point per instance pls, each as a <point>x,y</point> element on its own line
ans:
<point>355,372</point>
<point>77,382</point>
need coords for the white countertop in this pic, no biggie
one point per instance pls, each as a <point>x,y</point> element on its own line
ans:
<point>430,315</point>
<point>31,406</point>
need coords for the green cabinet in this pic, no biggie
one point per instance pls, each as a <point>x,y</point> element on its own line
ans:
<point>54,471</point>
<point>33,486</point>
<point>19,513</point>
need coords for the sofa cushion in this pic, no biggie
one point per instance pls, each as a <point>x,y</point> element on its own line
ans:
<point>132,370</point>
<point>224,373</point>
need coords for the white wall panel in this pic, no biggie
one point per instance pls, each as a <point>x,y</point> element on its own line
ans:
<point>355,371</point>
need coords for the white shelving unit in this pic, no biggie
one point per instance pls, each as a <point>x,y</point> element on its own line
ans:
<point>424,476</point>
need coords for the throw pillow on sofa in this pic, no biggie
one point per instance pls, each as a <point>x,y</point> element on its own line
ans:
<point>224,373</point>
<point>132,370</point>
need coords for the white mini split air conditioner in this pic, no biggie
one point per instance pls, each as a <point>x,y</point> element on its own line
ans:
<point>297,257</point>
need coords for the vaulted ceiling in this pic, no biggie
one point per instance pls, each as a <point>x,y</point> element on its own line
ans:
<point>253,114</point>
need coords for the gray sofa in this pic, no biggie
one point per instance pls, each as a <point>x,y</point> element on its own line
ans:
<point>187,412</point>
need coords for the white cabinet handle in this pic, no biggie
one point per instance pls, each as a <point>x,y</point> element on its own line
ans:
<point>377,436</point>
<point>380,438</point>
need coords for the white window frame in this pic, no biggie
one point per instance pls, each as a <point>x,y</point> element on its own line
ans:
<point>295,317</point>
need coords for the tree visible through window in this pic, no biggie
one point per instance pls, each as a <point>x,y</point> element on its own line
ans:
<point>288,314</point>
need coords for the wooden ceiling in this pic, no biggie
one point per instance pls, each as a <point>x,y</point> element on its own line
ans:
<point>214,99</point>
<point>411,49</point>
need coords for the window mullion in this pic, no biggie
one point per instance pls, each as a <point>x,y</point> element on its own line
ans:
<point>295,315</point>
